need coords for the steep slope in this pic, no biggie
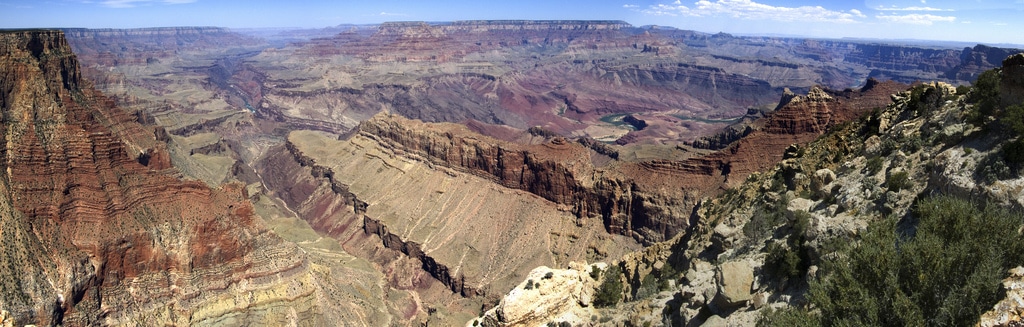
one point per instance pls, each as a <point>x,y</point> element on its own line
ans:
<point>475,237</point>
<point>799,119</point>
<point>116,235</point>
<point>647,199</point>
<point>97,228</point>
<point>414,187</point>
<point>774,241</point>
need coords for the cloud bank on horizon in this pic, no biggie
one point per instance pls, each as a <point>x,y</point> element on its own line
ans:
<point>747,9</point>
<point>977,20</point>
<point>986,21</point>
<point>136,3</point>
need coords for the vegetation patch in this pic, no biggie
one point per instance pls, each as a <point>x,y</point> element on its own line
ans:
<point>947,274</point>
<point>789,262</point>
<point>897,181</point>
<point>610,291</point>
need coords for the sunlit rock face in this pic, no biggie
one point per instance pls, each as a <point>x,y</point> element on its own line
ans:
<point>98,229</point>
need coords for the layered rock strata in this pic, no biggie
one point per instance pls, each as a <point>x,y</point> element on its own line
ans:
<point>473,236</point>
<point>799,119</point>
<point>647,200</point>
<point>96,228</point>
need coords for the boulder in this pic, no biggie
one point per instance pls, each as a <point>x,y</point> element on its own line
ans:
<point>1009,311</point>
<point>715,321</point>
<point>734,281</point>
<point>820,181</point>
<point>546,295</point>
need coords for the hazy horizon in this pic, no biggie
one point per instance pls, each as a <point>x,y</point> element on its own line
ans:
<point>977,21</point>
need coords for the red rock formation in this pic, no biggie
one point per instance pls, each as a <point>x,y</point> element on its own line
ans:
<point>798,120</point>
<point>118,234</point>
<point>650,200</point>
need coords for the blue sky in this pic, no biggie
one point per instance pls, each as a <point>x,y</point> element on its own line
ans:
<point>985,21</point>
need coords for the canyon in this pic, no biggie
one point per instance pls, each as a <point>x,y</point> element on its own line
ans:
<point>402,174</point>
<point>99,229</point>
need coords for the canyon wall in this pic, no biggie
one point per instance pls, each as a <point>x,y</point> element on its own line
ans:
<point>112,47</point>
<point>426,224</point>
<point>569,77</point>
<point>649,200</point>
<point>97,228</point>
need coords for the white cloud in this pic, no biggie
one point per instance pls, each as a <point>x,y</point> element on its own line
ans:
<point>136,3</point>
<point>630,6</point>
<point>747,9</point>
<point>392,14</point>
<point>916,19</point>
<point>894,8</point>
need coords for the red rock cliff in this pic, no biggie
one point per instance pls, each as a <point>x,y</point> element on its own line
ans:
<point>102,237</point>
<point>650,201</point>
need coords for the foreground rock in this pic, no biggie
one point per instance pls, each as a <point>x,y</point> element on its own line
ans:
<point>547,296</point>
<point>1009,311</point>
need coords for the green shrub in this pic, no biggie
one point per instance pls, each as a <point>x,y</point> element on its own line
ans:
<point>781,262</point>
<point>872,122</point>
<point>610,291</point>
<point>1014,153</point>
<point>963,89</point>
<point>648,286</point>
<point>874,165</point>
<point>667,273</point>
<point>994,166</point>
<point>789,317</point>
<point>1013,117</point>
<point>789,261</point>
<point>985,96</point>
<point>762,223</point>
<point>898,181</point>
<point>947,274</point>
<point>913,144</point>
<point>924,99</point>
